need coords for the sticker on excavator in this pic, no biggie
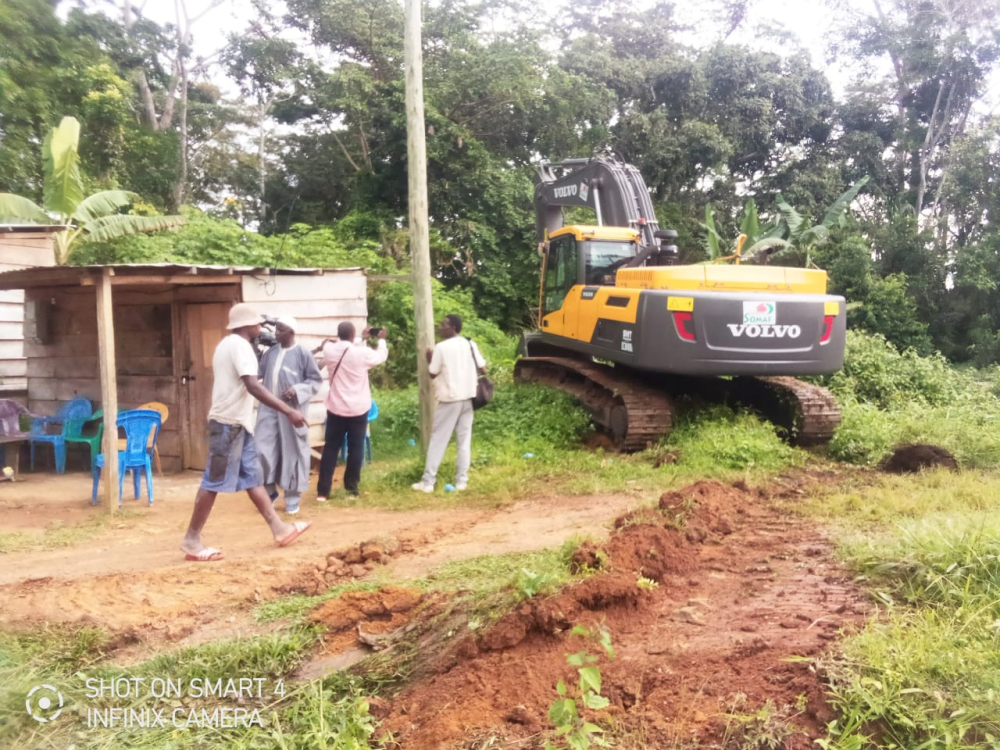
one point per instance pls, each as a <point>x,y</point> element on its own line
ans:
<point>760,313</point>
<point>680,304</point>
<point>831,308</point>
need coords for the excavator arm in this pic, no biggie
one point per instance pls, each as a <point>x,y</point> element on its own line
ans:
<point>614,190</point>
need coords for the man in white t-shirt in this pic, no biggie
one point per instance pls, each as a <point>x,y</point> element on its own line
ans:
<point>232,464</point>
<point>455,365</point>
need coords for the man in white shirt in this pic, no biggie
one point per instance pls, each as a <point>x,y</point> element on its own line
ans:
<point>348,361</point>
<point>455,365</point>
<point>232,463</point>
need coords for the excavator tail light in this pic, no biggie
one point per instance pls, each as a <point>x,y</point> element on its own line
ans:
<point>827,328</point>
<point>685,325</point>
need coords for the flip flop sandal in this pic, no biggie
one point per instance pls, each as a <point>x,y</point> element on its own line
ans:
<point>300,529</point>
<point>208,554</point>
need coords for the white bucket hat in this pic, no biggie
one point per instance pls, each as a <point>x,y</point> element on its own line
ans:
<point>289,321</point>
<point>243,314</point>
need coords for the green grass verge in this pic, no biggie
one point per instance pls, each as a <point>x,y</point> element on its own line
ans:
<point>926,672</point>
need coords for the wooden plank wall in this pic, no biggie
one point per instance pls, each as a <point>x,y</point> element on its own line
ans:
<point>17,250</point>
<point>67,367</point>
<point>319,303</point>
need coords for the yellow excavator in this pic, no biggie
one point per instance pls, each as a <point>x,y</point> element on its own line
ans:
<point>625,328</point>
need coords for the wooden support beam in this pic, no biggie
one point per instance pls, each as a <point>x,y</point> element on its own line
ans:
<point>109,388</point>
<point>178,279</point>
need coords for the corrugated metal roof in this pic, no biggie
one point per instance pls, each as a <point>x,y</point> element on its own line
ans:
<point>165,273</point>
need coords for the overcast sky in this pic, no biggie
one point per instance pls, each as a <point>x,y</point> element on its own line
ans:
<point>810,21</point>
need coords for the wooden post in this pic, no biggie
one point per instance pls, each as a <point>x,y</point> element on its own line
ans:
<point>420,253</point>
<point>109,389</point>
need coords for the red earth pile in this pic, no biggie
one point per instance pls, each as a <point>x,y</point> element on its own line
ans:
<point>740,588</point>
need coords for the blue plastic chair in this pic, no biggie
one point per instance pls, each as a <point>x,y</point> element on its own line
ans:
<point>138,424</point>
<point>367,456</point>
<point>67,417</point>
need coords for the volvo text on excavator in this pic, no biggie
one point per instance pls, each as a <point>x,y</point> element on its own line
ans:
<point>626,329</point>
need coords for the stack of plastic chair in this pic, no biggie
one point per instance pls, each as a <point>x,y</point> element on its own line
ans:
<point>41,430</point>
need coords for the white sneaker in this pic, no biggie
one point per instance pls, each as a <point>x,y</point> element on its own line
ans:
<point>320,499</point>
<point>461,486</point>
<point>421,487</point>
<point>292,512</point>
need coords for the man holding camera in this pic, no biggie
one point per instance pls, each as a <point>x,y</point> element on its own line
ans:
<point>348,361</point>
<point>289,371</point>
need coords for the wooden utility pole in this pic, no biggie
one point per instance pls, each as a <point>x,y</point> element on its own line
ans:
<point>420,245</point>
<point>109,388</point>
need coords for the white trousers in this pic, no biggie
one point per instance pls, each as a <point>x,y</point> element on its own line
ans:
<point>453,416</point>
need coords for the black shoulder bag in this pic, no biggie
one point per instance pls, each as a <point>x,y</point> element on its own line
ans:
<point>484,386</point>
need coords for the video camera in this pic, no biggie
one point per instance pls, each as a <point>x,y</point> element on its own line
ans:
<point>267,336</point>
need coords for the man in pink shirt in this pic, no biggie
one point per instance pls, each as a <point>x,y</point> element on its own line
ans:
<point>348,361</point>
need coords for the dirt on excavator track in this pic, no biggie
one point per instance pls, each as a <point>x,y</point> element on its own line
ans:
<point>637,408</point>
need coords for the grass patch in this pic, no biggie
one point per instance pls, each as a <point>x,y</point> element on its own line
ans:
<point>885,499</point>
<point>67,659</point>
<point>528,443</point>
<point>925,673</point>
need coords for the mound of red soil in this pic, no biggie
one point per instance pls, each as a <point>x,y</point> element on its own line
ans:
<point>909,459</point>
<point>717,631</point>
<point>382,611</point>
<point>351,562</point>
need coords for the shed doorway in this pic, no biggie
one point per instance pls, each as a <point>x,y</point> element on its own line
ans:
<point>206,327</point>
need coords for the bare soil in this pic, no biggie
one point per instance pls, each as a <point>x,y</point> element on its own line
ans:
<point>742,588</point>
<point>131,577</point>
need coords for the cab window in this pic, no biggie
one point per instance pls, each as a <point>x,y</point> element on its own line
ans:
<point>603,259</point>
<point>561,269</point>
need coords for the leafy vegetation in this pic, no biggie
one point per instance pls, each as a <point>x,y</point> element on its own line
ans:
<point>924,673</point>
<point>96,217</point>
<point>572,729</point>
<point>714,125</point>
<point>889,398</point>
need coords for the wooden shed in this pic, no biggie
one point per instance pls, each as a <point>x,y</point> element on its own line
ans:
<point>21,246</point>
<point>155,326</point>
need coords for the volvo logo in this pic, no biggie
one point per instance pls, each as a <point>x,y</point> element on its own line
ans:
<point>765,332</point>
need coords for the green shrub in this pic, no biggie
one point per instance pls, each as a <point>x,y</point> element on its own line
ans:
<point>717,437</point>
<point>525,417</point>
<point>876,372</point>
<point>390,304</point>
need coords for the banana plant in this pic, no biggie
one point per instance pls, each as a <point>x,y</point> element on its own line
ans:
<point>802,234</point>
<point>93,217</point>
<point>792,233</point>
<point>753,237</point>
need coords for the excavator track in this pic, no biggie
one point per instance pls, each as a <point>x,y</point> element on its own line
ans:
<point>637,413</point>
<point>633,413</point>
<point>808,414</point>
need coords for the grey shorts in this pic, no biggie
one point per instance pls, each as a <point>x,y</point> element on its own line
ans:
<point>232,464</point>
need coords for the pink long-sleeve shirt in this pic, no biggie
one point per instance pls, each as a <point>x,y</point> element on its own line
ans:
<point>350,393</point>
